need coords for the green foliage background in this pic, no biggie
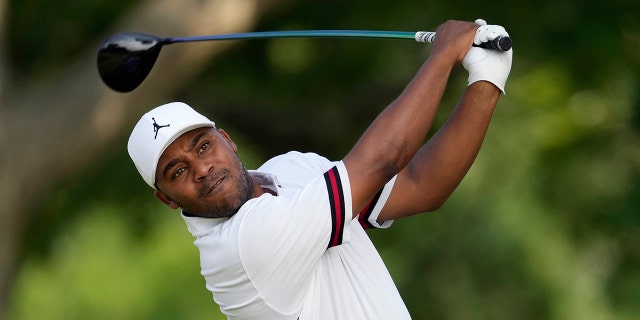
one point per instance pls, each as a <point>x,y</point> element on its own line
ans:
<point>545,226</point>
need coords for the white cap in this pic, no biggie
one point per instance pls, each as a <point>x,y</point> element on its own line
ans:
<point>156,130</point>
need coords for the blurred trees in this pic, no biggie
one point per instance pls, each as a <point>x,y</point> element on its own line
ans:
<point>57,119</point>
<point>545,226</point>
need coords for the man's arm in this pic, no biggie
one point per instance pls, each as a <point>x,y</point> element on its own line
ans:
<point>437,169</point>
<point>439,166</point>
<point>395,136</point>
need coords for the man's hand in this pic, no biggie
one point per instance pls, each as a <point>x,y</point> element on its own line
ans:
<point>485,64</point>
<point>453,40</point>
<point>395,136</point>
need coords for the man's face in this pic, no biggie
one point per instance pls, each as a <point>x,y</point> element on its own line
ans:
<point>201,173</point>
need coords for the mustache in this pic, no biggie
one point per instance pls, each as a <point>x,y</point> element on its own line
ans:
<point>210,181</point>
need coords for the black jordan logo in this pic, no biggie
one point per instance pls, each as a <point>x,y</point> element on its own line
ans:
<point>157,127</point>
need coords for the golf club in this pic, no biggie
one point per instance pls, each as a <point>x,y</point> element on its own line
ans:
<point>125,59</point>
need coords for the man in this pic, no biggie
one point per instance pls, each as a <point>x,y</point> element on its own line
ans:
<point>287,241</point>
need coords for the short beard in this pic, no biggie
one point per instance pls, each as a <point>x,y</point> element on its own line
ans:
<point>244,188</point>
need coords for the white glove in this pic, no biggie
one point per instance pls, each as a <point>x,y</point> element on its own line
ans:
<point>486,64</point>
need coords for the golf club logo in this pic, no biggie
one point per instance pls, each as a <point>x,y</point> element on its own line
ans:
<point>157,127</point>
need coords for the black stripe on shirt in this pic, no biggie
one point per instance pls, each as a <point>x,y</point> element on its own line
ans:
<point>336,200</point>
<point>364,215</point>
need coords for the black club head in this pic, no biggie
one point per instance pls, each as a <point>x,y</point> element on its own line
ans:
<point>125,59</point>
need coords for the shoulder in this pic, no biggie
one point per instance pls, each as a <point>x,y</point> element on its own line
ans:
<point>297,167</point>
<point>296,159</point>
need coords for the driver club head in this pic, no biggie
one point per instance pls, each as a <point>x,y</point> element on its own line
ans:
<point>125,59</point>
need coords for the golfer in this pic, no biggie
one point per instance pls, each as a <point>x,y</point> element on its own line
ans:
<point>288,240</point>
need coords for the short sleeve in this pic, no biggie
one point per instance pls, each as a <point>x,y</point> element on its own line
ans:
<point>368,217</point>
<point>282,238</point>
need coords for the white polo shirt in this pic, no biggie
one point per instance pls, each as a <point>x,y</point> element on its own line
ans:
<point>298,255</point>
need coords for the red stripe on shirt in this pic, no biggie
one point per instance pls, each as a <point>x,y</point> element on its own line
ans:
<point>336,199</point>
<point>363,216</point>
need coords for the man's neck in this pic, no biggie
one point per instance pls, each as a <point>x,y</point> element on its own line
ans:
<point>263,183</point>
<point>259,190</point>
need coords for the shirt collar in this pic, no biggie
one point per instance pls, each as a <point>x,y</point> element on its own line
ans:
<point>266,180</point>
<point>199,226</point>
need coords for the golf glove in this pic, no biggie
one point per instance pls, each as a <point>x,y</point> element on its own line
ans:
<point>486,64</point>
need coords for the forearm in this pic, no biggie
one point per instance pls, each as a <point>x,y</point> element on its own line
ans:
<point>440,165</point>
<point>398,132</point>
<point>395,136</point>
<point>449,155</point>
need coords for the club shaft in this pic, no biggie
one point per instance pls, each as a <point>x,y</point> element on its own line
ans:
<point>500,43</point>
<point>300,34</point>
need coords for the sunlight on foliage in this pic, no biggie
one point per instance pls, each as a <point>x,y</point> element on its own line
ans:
<point>544,226</point>
<point>291,56</point>
<point>99,269</point>
<point>505,246</point>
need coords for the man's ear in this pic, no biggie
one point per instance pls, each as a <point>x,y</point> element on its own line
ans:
<point>226,137</point>
<point>166,199</point>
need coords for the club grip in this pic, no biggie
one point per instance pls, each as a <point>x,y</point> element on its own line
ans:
<point>499,43</point>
